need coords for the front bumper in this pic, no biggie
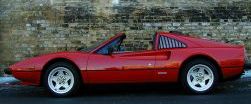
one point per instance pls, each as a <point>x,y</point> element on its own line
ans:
<point>27,77</point>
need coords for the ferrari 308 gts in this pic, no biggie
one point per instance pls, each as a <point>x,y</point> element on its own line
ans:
<point>197,64</point>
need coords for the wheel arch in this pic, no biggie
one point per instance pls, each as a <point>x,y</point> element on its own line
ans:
<point>52,61</point>
<point>201,56</point>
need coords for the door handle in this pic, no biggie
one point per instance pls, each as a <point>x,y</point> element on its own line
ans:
<point>149,64</point>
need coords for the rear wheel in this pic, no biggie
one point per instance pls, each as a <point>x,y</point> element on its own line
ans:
<point>62,79</point>
<point>199,76</point>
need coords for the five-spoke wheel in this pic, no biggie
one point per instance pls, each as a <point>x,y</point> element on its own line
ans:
<point>199,76</point>
<point>62,79</point>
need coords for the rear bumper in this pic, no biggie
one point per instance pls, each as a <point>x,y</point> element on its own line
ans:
<point>232,73</point>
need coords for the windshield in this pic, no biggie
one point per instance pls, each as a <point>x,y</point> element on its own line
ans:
<point>91,47</point>
<point>101,41</point>
<point>115,44</point>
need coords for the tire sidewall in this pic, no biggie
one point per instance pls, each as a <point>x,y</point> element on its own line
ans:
<point>76,76</point>
<point>186,69</point>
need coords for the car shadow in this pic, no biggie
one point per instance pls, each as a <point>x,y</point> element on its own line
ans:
<point>138,89</point>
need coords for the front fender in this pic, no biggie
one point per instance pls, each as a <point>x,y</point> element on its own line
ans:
<point>29,71</point>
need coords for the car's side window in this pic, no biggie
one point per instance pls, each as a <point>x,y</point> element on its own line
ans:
<point>166,42</point>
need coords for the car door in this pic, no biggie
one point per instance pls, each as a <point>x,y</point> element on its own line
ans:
<point>128,67</point>
<point>166,61</point>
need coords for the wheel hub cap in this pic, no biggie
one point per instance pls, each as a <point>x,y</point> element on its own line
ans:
<point>200,77</point>
<point>60,80</point>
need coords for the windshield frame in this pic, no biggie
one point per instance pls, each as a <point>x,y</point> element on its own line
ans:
<point>118,35</point>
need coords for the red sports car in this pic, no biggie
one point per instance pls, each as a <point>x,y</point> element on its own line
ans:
<point>198,64</point>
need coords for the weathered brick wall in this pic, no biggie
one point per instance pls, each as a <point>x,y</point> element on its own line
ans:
<point>33,27</point>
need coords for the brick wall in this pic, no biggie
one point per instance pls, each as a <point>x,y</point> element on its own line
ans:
<point>33,27</point>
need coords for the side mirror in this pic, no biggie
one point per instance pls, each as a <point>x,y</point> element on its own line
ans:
<point>110,50</point>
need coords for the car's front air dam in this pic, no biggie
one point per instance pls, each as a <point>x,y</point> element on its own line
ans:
<point>27,76</point>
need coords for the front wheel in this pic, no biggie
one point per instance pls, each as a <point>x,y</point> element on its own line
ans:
<point>199,76</point>
<point>61,79</point>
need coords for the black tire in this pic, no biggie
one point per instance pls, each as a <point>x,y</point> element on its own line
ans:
<point>73,70</point>
<point>188,66</point>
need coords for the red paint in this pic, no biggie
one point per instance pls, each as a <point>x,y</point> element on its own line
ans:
<point>137,67</point>
<point>121,68</point>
